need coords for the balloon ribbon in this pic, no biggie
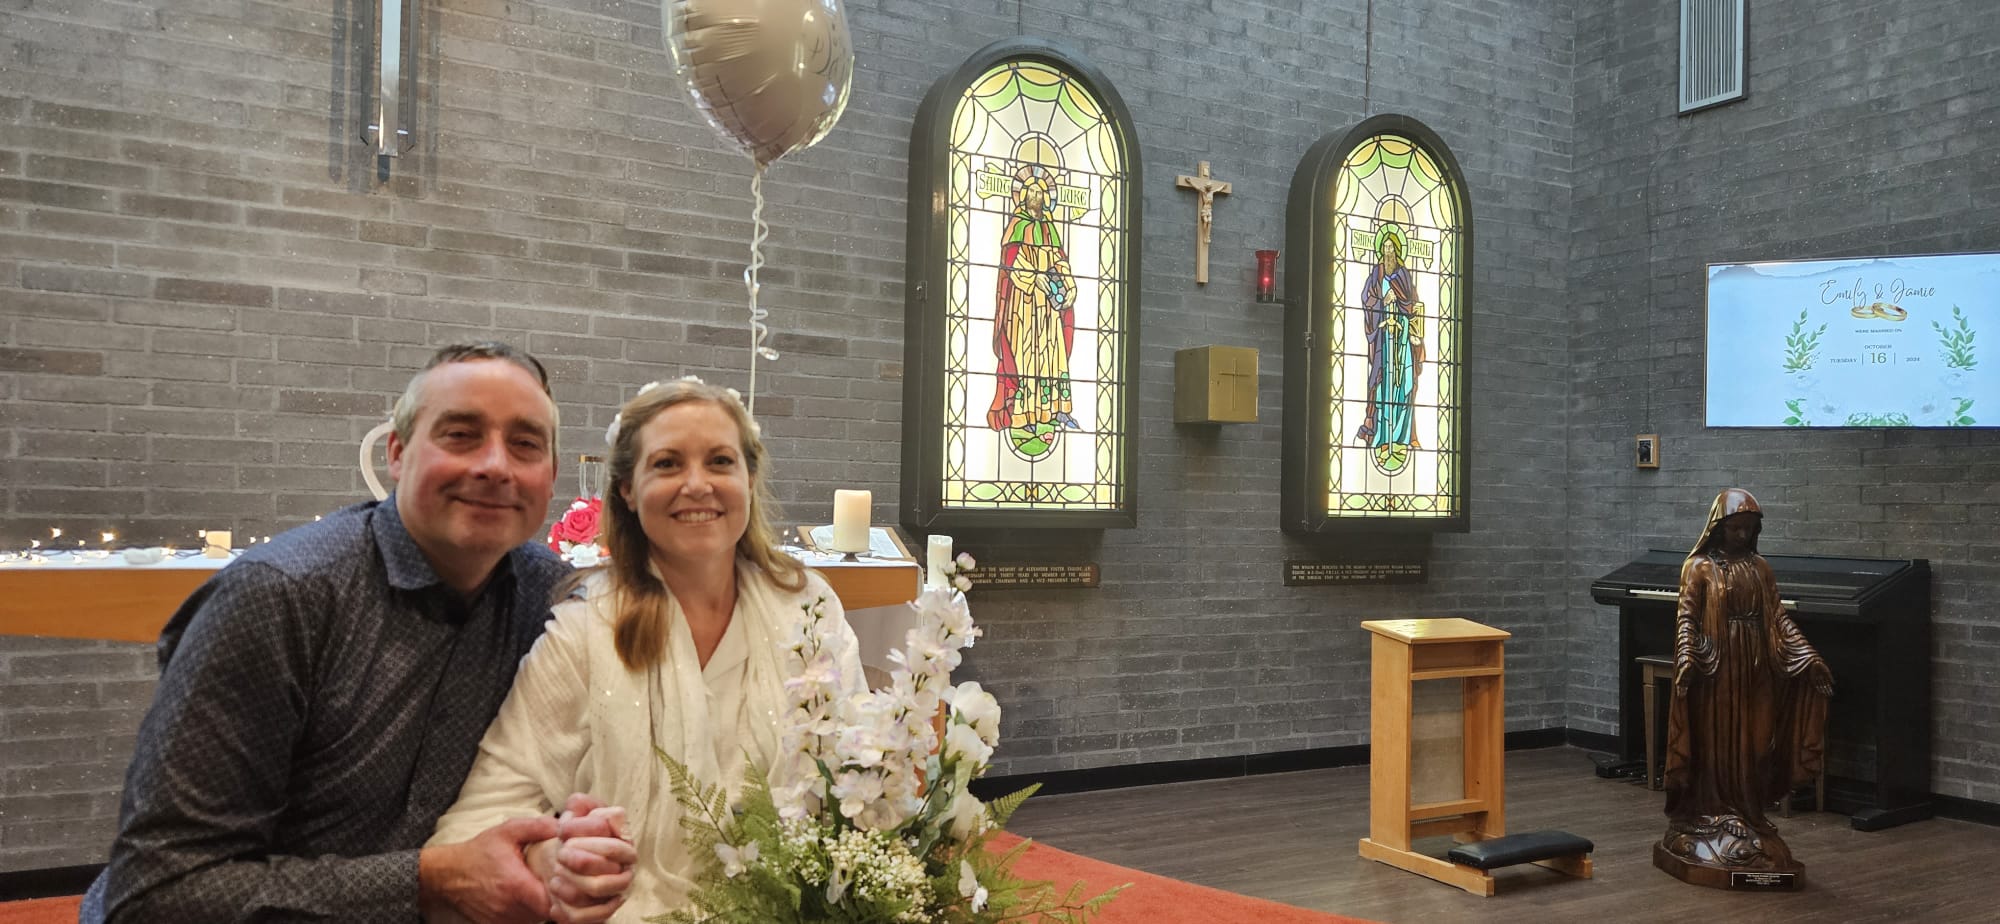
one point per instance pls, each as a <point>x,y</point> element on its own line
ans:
<point>758,329</point>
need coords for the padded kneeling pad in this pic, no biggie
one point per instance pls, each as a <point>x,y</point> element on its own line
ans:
<point>1518,848</point>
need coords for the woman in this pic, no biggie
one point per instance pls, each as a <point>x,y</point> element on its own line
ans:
<point>1749,706</point>
<point>675,644</point>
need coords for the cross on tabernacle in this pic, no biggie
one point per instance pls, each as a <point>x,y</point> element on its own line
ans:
<point>1206,187</point>
<point>1235,375</point>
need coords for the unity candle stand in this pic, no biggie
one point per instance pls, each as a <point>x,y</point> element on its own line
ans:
<point>1435,765</point>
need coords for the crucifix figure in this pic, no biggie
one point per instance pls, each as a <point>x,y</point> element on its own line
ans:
<point>1207,187</point>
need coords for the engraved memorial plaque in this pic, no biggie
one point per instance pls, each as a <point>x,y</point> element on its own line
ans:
<point>1045,576</point>
<point>1312,573</point>
<point>1759,880</point>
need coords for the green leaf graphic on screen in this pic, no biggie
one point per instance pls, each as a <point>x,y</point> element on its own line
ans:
<point>1959,418</point>
<point>1801,347</point>
<point>1956,344</point>
<point>1798,408</point>
<point>1890,419</point>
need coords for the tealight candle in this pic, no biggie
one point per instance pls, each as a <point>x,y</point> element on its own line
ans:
<point>850,521</point>
<point>940,561</point>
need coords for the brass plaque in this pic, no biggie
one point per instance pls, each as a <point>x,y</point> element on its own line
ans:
<point>1312,573</point>
<point>1033,576</point>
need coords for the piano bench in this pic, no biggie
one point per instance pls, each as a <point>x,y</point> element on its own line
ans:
<point>1558,850</point>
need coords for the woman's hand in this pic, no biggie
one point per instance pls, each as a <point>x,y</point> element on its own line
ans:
<point>588,866</point>
<point>1820,676</point>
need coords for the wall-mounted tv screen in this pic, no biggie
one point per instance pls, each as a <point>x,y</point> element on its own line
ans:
<point>1856,342</point>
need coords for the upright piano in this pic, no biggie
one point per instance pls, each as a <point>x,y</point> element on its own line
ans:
<point>1870,618</point>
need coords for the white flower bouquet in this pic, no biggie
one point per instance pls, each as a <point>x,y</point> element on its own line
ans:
<point>865,818</point>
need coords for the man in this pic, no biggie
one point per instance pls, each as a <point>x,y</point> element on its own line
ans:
<point>321,699</point>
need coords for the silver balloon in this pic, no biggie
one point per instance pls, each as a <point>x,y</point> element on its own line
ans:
<point>771,75</point>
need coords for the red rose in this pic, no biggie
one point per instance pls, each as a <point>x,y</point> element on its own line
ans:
<point>578,523</point>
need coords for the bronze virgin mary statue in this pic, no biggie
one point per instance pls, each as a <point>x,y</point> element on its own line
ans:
<point>1748,719</point>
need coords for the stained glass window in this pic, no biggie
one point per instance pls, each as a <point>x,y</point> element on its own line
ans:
<point>1384,317</point>
<point>1031,313</point>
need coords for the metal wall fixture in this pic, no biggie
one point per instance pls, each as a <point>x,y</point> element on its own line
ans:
<point>385,108</point>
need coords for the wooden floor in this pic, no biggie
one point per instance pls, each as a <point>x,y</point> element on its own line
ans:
<point>1290,837</point>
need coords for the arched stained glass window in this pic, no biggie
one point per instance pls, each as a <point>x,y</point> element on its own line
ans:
<point>1375,383</point>
<point>1022,309</point>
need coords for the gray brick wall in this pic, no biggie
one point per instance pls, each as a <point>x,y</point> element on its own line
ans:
<point>206,301</point>
<point>1869,129</point>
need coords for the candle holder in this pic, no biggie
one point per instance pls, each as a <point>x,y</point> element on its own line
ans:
<point>1267,276</point>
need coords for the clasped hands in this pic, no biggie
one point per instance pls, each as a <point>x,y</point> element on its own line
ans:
<point>573,869</point>
<point>588,865</point>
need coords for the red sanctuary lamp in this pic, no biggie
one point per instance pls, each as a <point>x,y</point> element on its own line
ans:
<point>1267,276</point>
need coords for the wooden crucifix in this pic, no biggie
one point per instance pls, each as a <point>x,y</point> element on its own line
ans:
<point>1207,187</point>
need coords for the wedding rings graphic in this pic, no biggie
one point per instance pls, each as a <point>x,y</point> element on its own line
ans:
<point>1883,310</point>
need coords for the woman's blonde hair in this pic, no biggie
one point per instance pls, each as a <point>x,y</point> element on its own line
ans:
<point>639,598</point>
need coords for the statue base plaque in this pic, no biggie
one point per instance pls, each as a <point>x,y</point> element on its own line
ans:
<point>1788,879</point>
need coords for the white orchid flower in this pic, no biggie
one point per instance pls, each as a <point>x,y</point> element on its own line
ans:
<point>962,743</point>
<point>855,790</point>
<point>967,816</point>
<point>735,859</point>
<point>977,708</point>
<point>969,887</point>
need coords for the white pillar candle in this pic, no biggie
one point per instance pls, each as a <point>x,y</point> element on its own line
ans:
<point>940,561</point>
<point>217,543</point>
<point>850,521</point>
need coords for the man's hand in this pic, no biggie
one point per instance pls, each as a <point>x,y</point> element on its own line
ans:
<point>486,879</point>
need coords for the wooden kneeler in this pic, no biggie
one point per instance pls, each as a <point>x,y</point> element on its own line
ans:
<point>1436,732</point>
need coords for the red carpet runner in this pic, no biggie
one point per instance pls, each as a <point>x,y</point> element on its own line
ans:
<point>41,911</point>
<point>1149,900</point>
<point>1155,899</point>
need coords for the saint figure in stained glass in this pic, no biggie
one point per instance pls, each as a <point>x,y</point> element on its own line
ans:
<point>1375,409</point>
<point>1022,323</point>
<point>1393,319</point>
<point>1034,324</point>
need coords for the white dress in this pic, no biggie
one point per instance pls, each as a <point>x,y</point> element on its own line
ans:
<point>579,721</point>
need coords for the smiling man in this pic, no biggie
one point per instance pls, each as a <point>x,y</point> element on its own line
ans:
<point>321,698</point>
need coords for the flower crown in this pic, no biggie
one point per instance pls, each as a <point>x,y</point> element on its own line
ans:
<point>618,419</point>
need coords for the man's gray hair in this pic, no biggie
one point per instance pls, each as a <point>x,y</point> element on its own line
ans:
<point>404,418</point>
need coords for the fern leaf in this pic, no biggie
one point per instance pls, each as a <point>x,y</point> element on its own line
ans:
<point>1002,809</point>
